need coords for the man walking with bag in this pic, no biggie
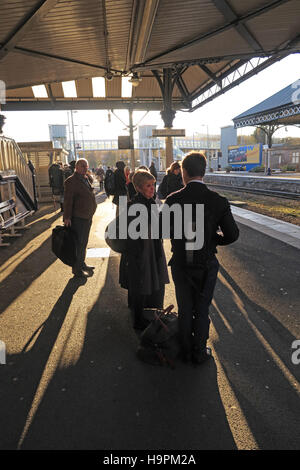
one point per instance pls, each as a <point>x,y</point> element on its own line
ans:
<point>195,271</point>
<point>79,208</point>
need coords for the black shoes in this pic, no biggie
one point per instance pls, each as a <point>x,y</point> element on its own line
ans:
<point>199,357</point>
<point>89,269</point>
<point>196,357</point>
<point>80,274</point>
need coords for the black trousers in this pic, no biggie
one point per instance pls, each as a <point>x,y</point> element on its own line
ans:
<point>193,307</point>
<point>82,229</point>
<point>139,301</point>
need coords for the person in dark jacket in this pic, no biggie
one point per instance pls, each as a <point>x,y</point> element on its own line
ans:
<point>152,170</point>
<point>195,272</point>
<point>130,187</point>
<point>79,208</point>
<point>120,183</point>
<point>143,268</point>
<point>171,182</point>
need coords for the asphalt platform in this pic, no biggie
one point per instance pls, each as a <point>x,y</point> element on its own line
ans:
<point>72,379</point>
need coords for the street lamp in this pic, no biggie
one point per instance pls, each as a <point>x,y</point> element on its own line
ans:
<point>73,133</point>
<point>207,136</point>
<point>81,126</point>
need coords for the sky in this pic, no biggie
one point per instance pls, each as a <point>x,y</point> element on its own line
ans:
<point>33,126</point>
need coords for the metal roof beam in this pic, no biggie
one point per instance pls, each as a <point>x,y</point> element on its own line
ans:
<point>134,18</point>
<point>64,105</point>
<point>202,89</point>
<point>44,55</point>
<point>238,81</point>
<point>29,22</point>
<point>233,24</point>
<point>284,49</point>
<point>210,74</point>
<point>230,15</point>
<point>179,81</point>
<point>145,30</point>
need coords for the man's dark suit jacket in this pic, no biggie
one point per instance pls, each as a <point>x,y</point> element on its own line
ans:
<point>219,209</point>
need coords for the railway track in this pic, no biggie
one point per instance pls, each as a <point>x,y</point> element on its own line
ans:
<point>263,192</point>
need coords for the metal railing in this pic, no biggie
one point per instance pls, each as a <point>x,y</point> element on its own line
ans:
<point>144,144</point>
<point>11,158</point>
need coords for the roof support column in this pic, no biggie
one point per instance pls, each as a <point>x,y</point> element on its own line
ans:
<point>132,158</point>
<point>168,113</point>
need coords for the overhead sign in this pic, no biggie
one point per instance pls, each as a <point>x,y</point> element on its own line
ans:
<point>168,132</point>
<point>124,142</point>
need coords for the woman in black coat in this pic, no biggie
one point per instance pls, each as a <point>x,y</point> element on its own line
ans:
<point>171,182</point>
<point>143,267</point>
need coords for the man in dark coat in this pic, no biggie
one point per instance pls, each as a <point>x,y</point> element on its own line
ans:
<point>79,208</point>
<point>195,272</point>
<point>152,170</point>
<point>120,184</point>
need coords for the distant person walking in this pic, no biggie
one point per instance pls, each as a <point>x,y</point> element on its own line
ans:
<point>120,183</point>
<point>152,170</point>
<point>100,174</point>
<point>79,208</point>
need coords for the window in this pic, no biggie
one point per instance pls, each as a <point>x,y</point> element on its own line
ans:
<point>69,89</point>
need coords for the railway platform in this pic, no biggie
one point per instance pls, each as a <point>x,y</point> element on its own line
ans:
<point>72,379</point>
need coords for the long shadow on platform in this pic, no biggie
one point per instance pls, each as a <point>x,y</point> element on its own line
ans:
<point>22,374</point>
<point>25,273</point>
<point>254,350</point>
<point>33,264</point>
<point>36,228</point>
<point>111,400</point>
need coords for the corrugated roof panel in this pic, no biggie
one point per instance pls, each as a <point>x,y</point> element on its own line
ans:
<point>113,88</point>
<point>193,76</point>
<point>71,29</point>
<point>283,20</point>
<point>147,87</point>
<point>118,17</point>
<point>229,41</point>
<point>25,92</point>
<point>84,88</point>
<point>12,13</point>
<point>242,8</point>
<point>220,66</point>
<point>178,21</point>
<point>57,90</point>
<point>75,29</point>
<point>18,70</point>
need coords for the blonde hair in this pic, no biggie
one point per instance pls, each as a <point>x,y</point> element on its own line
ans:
<point>140,177</point>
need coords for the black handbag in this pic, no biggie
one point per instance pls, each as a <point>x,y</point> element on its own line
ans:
<point>159,344</point>
<point>116,244</point>
<point>64,244</point>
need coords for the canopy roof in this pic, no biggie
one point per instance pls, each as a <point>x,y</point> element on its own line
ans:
<point>208,44</point>
<point>281,108</point>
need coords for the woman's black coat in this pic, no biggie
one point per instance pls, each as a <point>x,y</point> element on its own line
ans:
<point>130,272</point>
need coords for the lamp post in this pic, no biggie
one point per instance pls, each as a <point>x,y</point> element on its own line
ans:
<point>73,132</point>
<point>81,126</point>
<point>207,143</point>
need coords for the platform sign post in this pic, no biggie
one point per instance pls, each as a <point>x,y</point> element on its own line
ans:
<point>168,133</point>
